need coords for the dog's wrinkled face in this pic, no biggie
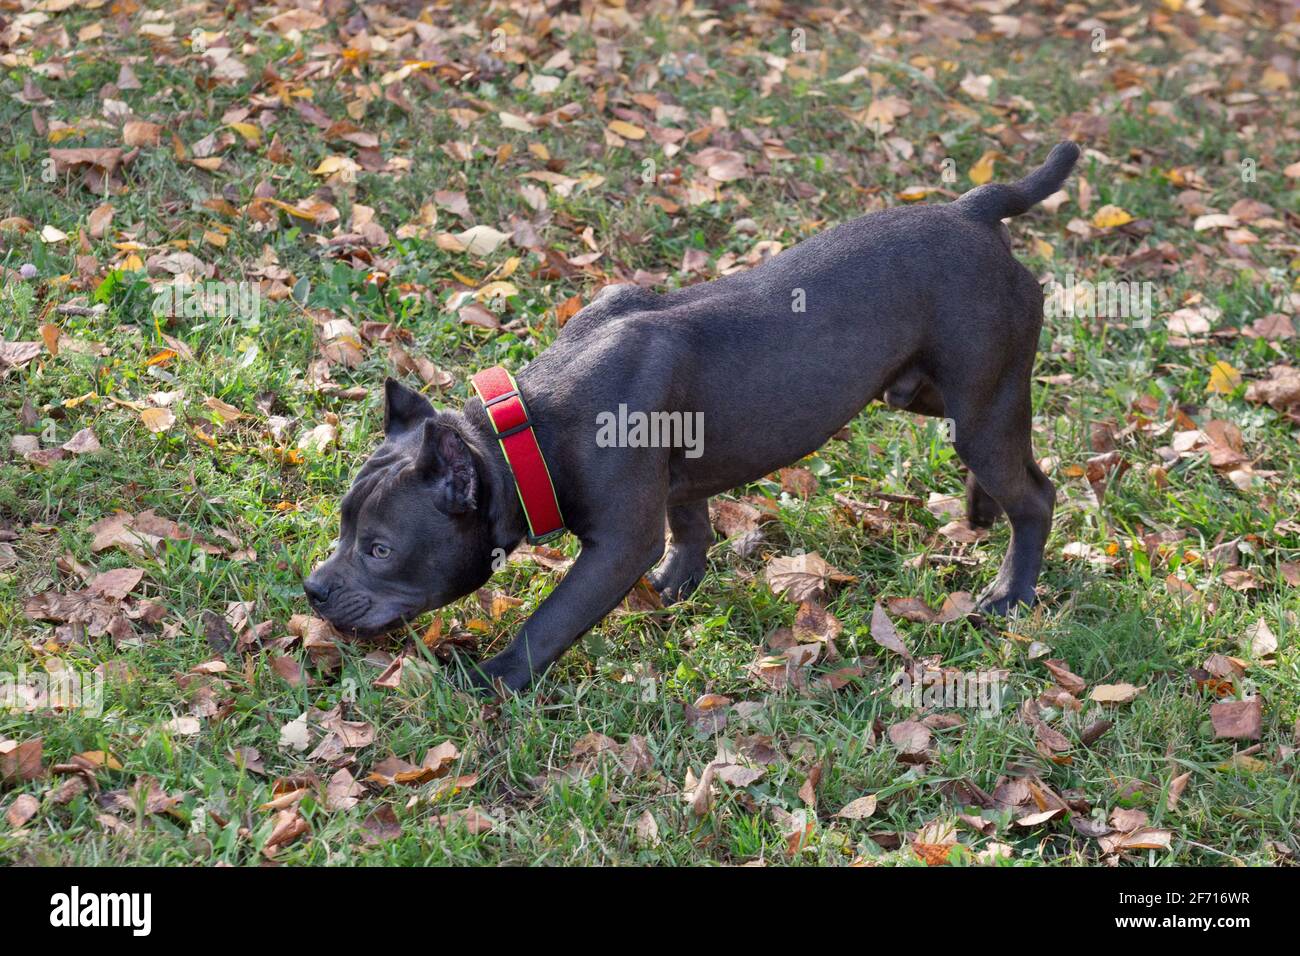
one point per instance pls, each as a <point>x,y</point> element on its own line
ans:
<point>413,535</point>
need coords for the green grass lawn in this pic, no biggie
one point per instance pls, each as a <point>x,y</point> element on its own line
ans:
<point>329,165</point>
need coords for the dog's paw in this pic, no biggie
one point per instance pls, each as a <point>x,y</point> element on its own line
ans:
<point>1004,601</point>
<point>497,677</point>
<point>674,583</point>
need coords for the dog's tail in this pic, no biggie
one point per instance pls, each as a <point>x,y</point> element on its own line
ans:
<point>997,201</point>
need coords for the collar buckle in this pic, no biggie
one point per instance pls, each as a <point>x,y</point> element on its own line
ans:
<point>544,538</point>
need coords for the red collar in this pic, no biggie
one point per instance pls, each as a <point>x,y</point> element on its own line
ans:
<point>514,430</point>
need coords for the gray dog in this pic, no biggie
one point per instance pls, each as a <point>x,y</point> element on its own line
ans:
<point>923,306</point>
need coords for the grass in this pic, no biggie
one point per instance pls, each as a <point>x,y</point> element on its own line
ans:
<point>632,674</point>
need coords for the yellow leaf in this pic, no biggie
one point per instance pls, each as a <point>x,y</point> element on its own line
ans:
<point>293,210</point>
<point>335,164</point>
<point>1107,217</point>
<point>494,290</point>
<point>161,358</point>
<point>252,134</point>
<point>1043,248</point>
<point>982,171</point>
<point>101,758</point>
<point>914,193</point>
<point>1224,379</point>
<point>79,400</point>
<point>626,130</point>
<point>1274,79</point>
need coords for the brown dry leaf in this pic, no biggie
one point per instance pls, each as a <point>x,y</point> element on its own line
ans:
<point>1146,838</point>
<point>708,714</point>
<point>647,830</point>
<point>934,842</point>
<point>382,825</point>
<point>481,240</point>
<point>83,442</point>
<point>471,818</point>
<point>910,609</point>
<point>858,809</point>
<point>886,635</point>
<point>296,19</point>
<point>115,584</point>
<point>798,577</point>
<point>226,412</point>
<point>911,737</point>
<point>157,420</point>
<point>140,133</point>
<point>1281,389</point>
<point>288,670</point>
<point>632,758</point>
<point>288,826</point>
<point>1239,719</point>
<point>1114,693</point>
<point>22,809</point>
<point>1261,639</point>
<point>1065,677</point>
<point>734,518</point>
<point>99,220</point>
<point>21,762</point>
<point>182,726</point>
<point>815,623</point>
<point>18,354</point>
<point>1176,788</point>
<point>1125,820</point>
<point>1031,820</point>
<point>799,482</point>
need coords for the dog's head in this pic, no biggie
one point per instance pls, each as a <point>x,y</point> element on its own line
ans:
<point>414,535</point>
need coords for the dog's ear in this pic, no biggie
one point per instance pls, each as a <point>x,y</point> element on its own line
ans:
<point>404,408</point>
<point>445,460</point>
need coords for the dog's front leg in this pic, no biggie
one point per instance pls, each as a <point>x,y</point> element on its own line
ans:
<point>606,569</point>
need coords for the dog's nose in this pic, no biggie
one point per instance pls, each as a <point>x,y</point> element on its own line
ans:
<point>317,591</point>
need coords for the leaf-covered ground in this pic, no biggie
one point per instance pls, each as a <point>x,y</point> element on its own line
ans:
<point>428,189</point>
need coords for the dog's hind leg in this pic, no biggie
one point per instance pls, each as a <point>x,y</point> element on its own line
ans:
<point>914,392</point>
<point>993,439</point>
<point>981,509</point>
<point>686,562</point>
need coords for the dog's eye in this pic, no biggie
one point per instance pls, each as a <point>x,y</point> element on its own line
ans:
<point>380,551</point>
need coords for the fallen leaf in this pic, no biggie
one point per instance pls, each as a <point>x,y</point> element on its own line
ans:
<point>157,420</point>
<point>1114,693</point>
<point>886,635</point>
<point>858,809</point>
<point>1108,217</point>
<point>1240,719</point>
<point>798,577</point>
